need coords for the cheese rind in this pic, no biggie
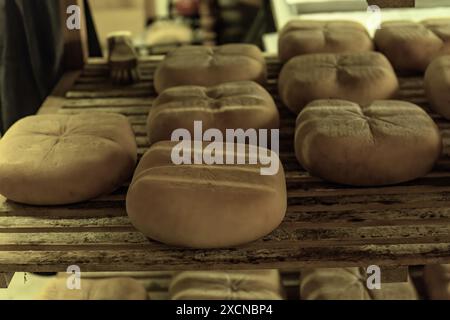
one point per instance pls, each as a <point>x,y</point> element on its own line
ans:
<point>350,284</point>
<point>234,105</point>
<point>60,159</point>
<point>437,86</point>
<point>205,66</point>
<point>357,77</point>
<point>301,37</point>
<point>204,206</point>
<point>384,143</point>
<point>412,46</point>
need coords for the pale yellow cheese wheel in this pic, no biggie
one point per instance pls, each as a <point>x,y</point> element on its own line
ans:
<point>62,159</point>
<point>206,66</point>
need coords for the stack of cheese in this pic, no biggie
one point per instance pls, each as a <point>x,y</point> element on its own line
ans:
<point>59,160</point>
<point>348,131</point>
<point>201,204</point>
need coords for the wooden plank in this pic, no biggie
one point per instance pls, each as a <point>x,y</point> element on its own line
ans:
<point>104,79</point>
<point>320,215</point>
<point>102,62</point>
<point>297,202</point>
<point>40,224</point>
<point>89,88</point>
<point>129,111</point>
<point>112,213</point>
<point>246,258</point>
<point>111,93</point>
<point>81,238</point>
<point>119,102</point>
<point>5,279</point>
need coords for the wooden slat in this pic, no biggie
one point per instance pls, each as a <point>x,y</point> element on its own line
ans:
<point>288,234</point>
<point>245,258</point>
<point>110,213</point>
<point>119,102</point>
<point>110,93</point>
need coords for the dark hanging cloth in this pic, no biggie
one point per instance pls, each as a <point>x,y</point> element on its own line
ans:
<point>95,50</point>
<point>2,32</point>
<point>32,55</point>
<point>33,41</point>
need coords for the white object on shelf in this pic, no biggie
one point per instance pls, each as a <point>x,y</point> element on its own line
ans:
<point>283,13</point>
<point>313,6</point>
<point>270,41</point>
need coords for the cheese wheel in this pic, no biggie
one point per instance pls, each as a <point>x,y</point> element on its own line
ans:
<point>103,289</point>
<point>61,159</point>
<point>234,105</point>
<point>349,284</point>
<point>205,66</point>
<point>204,206</point>
<point>357,77</point>
<point>437,85</point>
<point>384,143</point>
<point>411,46</point>
<point>301,37</point>
<point>238,285</point>
<point>437,281</point>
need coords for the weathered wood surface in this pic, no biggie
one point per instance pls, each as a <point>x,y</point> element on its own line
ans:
<point>326,225</point>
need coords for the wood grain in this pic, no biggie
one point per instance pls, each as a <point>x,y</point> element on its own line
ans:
<point>244,258</point>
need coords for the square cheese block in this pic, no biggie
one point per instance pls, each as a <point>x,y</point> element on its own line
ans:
<point>98,289</point>
<point>349,284</point>
<point>201,205</point>
<point>437,85</point>
<point>61,159</point>
<point>301,37</point>
<point>227,285</point>
<point>411,46</point>
<point>234,105</point>
<point>206,66</point>
<point>357,77</point>
<point>384,143</point>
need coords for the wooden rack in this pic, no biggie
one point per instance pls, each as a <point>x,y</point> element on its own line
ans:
<point>326,225</point>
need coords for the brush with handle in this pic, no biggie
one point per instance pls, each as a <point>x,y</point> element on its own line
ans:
<point>123,58</point>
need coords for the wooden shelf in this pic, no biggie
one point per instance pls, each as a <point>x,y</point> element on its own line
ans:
<point>326,225</point>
